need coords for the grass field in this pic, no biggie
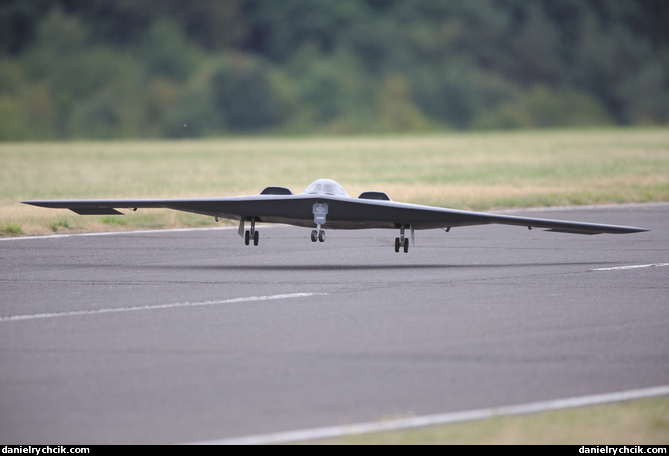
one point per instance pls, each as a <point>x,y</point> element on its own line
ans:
<point>467,171</point>
<point>640,422</point>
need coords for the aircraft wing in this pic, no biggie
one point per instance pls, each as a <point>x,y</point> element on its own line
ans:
<point>343,212</point>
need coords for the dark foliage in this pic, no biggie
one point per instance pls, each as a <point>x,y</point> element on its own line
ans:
<point>153,68</point>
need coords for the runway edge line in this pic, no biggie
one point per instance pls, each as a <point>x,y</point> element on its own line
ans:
<point>443,418</point>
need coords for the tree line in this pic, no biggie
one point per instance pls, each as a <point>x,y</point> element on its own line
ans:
<point>180,68</point>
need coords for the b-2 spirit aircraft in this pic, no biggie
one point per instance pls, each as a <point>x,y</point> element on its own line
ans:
<point>326,204</point>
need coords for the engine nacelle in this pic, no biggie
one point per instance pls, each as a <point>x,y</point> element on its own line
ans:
<point>374,196</point>
<point>276,191</point>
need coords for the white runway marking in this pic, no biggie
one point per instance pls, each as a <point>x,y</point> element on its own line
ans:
<point>635,266</point>
<point>113,233</point>
<point>445,418</point>
<point>157,306</point>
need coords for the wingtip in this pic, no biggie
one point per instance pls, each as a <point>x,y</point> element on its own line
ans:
<point>634,229</point>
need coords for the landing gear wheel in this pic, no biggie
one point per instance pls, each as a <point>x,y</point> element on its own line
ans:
<point>321,236</point>
<point>397,245</point>
<point>247,237</point>
<point>406,246</point>
<point>256,237</point>
<point>314,235</point>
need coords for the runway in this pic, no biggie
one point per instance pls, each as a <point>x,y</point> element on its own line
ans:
<point>169,337</point>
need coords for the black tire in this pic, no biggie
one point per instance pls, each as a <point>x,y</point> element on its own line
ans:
<point>247,237</point>
<point>314,236</point>
<point>397,245</point>
<point>256,237</point>
<point>406,246</point>
<point>321,236</point>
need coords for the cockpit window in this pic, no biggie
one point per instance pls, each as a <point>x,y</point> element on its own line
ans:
<point>327,187</point>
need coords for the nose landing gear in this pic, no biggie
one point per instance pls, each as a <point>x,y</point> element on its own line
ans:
<point>318,235</point>
<point>320,211</point>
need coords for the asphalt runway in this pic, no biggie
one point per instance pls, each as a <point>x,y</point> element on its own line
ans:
<point>187,336</point>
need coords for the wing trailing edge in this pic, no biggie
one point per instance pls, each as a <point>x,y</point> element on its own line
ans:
<point>95,211</point>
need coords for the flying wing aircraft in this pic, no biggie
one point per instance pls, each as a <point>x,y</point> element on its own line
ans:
<point>326,204</point>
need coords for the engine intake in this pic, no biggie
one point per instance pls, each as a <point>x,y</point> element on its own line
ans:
<point>276,191</point>
<point>374,196</point>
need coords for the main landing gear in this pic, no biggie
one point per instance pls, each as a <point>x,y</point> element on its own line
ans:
<point>251,234</point>
<point>401,242</point>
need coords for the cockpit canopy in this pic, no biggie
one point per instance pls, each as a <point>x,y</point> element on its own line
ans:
<point>325,187</point>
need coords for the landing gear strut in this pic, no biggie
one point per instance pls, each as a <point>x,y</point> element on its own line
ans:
<point>401,242</point>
